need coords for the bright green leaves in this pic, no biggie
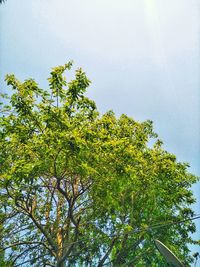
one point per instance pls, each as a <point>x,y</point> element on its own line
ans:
<point>93,182</point>
<point>72,91</point>
<point>11,80</point>
<point>78,86</point>
<point>57,81</point>
<point>70,95</point>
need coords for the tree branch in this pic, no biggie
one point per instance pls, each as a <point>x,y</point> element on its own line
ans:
<point>101,262</point>
<point>44,232</point>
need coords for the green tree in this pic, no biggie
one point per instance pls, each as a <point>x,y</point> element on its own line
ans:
<point>83,189</point>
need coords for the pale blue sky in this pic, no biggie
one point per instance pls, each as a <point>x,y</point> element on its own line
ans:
<point>142,57</point>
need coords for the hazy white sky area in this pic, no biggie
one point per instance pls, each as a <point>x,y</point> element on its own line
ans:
<point>142,57</point>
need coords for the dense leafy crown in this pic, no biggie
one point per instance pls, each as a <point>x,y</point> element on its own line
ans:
<point>83,189</point>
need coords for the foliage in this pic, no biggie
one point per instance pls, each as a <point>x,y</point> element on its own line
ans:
<point>83,189</point>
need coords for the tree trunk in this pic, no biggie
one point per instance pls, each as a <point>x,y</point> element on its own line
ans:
<point>60,264</point>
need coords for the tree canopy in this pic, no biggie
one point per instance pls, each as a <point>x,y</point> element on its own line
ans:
<point>79,188</point>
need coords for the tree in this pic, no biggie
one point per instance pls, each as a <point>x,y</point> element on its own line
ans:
<point>2,1</point>
<point>83,189</point>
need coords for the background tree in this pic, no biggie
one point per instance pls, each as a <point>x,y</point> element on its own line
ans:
<point>81,188</point>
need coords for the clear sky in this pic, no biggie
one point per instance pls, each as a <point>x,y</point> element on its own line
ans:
<point>142,57</point>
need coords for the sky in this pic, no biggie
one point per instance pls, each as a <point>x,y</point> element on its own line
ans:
<point>142,57</point>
